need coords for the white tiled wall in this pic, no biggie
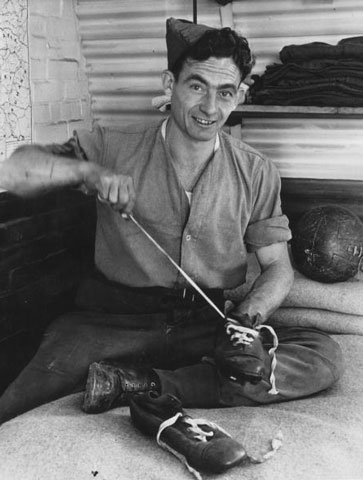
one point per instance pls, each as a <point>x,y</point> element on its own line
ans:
<point>59,85</point>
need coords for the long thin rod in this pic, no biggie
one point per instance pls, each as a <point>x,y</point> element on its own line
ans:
<point>185,275</point>
<point>195,19</point>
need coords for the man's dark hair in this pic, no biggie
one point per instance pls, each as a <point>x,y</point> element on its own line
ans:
<point>223,43</point>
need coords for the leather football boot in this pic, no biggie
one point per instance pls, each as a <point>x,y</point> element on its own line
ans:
<point>199,444</point>
<point>110,385</point>
<point>239,352</point>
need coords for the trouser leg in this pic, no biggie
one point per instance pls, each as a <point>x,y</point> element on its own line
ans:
<point>159,340</point>
<point>308,361</point>
<point>68,347</point>
<point>196,383</point>
<point>196,386</point>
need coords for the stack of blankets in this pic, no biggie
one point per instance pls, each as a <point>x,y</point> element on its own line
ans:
<point>335,308</point>
<point>313,74</point>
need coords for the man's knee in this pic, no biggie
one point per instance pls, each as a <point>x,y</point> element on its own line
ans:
<point>302,369</point>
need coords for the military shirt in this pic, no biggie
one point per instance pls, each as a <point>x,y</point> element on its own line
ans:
<point>235,209</point>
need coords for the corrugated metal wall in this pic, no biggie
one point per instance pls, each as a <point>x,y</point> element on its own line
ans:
<point>312,146</point>
<point>269,25</point>
<point>124,45</point>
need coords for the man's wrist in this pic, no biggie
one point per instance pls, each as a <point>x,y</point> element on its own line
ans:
<point>246,317</point>
<point>88,174</point>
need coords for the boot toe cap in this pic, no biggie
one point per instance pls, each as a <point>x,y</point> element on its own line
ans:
<point>222,454</point>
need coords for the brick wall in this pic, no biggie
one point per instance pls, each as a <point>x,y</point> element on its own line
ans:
<point>46,244</point>
<point>59,85</point>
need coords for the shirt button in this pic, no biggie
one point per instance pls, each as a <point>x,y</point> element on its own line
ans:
<point>188,237</point>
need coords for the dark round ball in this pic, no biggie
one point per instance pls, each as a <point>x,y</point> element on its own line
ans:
<point>327,244</point>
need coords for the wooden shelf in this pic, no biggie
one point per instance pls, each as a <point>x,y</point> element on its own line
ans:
<point>295,111</point>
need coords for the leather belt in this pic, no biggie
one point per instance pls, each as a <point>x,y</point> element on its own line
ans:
<point>180,295</point>
<point>187,295</point>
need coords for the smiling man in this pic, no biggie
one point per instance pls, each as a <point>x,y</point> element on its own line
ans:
<point>207,199</point>
<point>203,96</point>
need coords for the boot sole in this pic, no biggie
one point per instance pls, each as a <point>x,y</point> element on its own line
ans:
<point>91,402</point>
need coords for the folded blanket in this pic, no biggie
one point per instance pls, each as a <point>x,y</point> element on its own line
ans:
<point>344,297</point>
<point>329,322</point>
<point>322,438</point>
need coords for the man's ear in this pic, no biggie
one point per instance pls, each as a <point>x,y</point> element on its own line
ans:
<point>242,93</point>
<point>168,81</point>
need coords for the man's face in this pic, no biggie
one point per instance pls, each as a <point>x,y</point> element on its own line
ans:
<point>204,96</point>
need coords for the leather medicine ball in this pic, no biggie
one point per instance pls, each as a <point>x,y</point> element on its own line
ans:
<point>327,244</point>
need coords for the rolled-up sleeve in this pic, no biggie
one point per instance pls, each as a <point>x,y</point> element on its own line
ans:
<point>266,232</point>
<point>267,224</point>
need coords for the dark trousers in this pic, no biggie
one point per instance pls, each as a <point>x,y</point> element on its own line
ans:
<point>176,338</point>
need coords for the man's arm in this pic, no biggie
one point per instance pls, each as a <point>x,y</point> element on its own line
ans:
<point>33,170</point>
<point>271,287</point>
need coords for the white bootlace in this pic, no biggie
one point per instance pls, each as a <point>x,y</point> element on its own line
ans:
<point>245,336</point>
<point>195,427</point>
<point>239,334</point>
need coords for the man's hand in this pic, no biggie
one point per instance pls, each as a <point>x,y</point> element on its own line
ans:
<point>233,311</point>
<point>115,189</point>
<point>33,170</point>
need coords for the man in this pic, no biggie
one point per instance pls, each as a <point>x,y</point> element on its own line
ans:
<point>207,199</point>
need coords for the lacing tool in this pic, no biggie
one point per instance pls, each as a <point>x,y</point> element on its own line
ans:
<point>239,333</point>
<point>185,275</point>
